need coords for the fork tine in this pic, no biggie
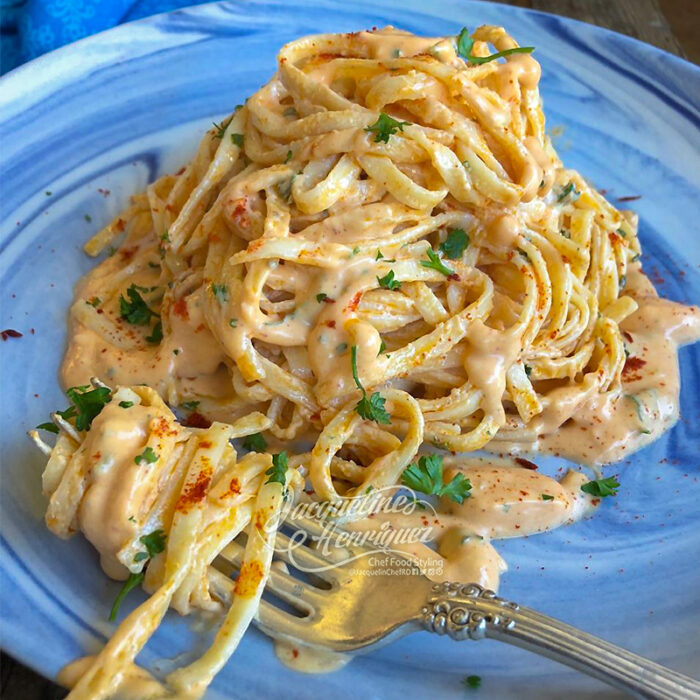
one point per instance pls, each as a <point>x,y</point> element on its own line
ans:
<point>304,558</point>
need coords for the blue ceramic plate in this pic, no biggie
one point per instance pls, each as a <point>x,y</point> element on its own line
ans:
<point>88,125</point>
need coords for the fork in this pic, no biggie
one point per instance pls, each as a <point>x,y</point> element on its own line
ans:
<point>341,608</point>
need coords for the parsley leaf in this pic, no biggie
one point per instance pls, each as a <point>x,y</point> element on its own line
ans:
<point>148,456</point>
<point>135,310</point>
<point>277,472</point>
<point>569,192</point>
<point>435,263</point>
<point>220,291</point>
<point>371,408</point>
<point>255,442</point>
<point>547,497</point>
<point>48,427</point>
<point>426,477</point>
<point>95,301</point>
<point>388,281</point>
<point>221,128</point>
<point>601,487</point>
<point>455,244</point>
<point>465,44</point>
<point>156,334</point>
<point>640,412</point>
<point>190,405</point>
<point>472,681</point>
<point>126,404</point>
<point>321,297</point>
<point>87,404</point>
<point>382,348</point>
<point>289,157</point>
<point>237,140</point>
<point>154,542</point>
<point>133,581</point>
<point>384,127</point>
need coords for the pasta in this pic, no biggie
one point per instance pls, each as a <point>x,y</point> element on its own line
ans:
<point>379,249</point>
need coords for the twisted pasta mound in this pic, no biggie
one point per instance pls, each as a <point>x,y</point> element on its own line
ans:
<point>383,214</point>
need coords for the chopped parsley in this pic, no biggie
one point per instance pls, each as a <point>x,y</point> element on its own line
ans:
<point>465,44</point>
<point>289,157</point>
<point>569,192</point>
<point>135,310</point>
<point>384,127</point>
<point>48,427</point>
<point>155,544</point>
<point>220,291</point>
<point>237,140</point>
<point>86,404</point>
<point>255,442</point>
<point>95,301</point>
<point>382,348</point>
<point>88,218</point>
<point>284,188</point>
<point>190,405</point>
<point>435,263</point>
<point>278,471</point>
<point>165,236</point>
<point>126,404</point>
<point>455,244</point>
<point>426,477</point>
<point>221,128</point>
<point>371,408</point>
<point>388,281</point>
<point>156,334</point>
<point>547,497</point>
<point>601,487</point>
<point>233,322</point>
<point>528,370</point>
<point>148,456</point>
<point>320,298</point>
<point>472,681</point>
<point>133,581</point>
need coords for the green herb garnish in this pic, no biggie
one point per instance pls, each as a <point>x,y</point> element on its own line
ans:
<point>371,408</point>
<point>136,310</point>
<point>237,140</point>
<point>156,334</point>
<point>190,405</point>
<point>465,44</point>
<point>126,404</point>
<point>601,487</point>
<point>255,442</point>
<point>426,477</point>
<point>384,127</point>
<point>435,263</point>
<point>87,404</point>
<point>455,244</point>
<point>148,456</point>
<point>48,427</point>
<point>220,291</point>
<point>388,281</point>
<point>277,472</point>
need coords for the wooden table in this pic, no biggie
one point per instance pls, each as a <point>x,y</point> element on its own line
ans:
<point>672,25</point>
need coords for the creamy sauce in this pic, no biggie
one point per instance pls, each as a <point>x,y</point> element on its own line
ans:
<point>608,427</point>
<point>308,659</point>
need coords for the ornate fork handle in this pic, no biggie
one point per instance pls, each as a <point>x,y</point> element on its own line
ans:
<point>472,612</point>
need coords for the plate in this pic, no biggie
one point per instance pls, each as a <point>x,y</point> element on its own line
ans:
<point>90,124</point>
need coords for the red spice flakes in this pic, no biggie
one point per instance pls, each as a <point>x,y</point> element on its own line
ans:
<point>103,192</point>
<point>10,333</point>
<point>180,171</point>
<point>128,253</point>
<point>196,420</point>
<point>248,579</point>
<point>629,198</point>
<point>295,653</point>
<point>632,364</point>
<point>206,444</point>
<point>454,277</point>
<point>120,225</point>
<point>328,300</point>
<point>195,493</point>
<point>354,302</point>
<point>180,309</point>
<point>330,324</point>
<point>628,337</point>
<point>526,463</point>
<point>31,330</point>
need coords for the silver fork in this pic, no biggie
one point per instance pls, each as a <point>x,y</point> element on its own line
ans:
<point>344,610</point>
